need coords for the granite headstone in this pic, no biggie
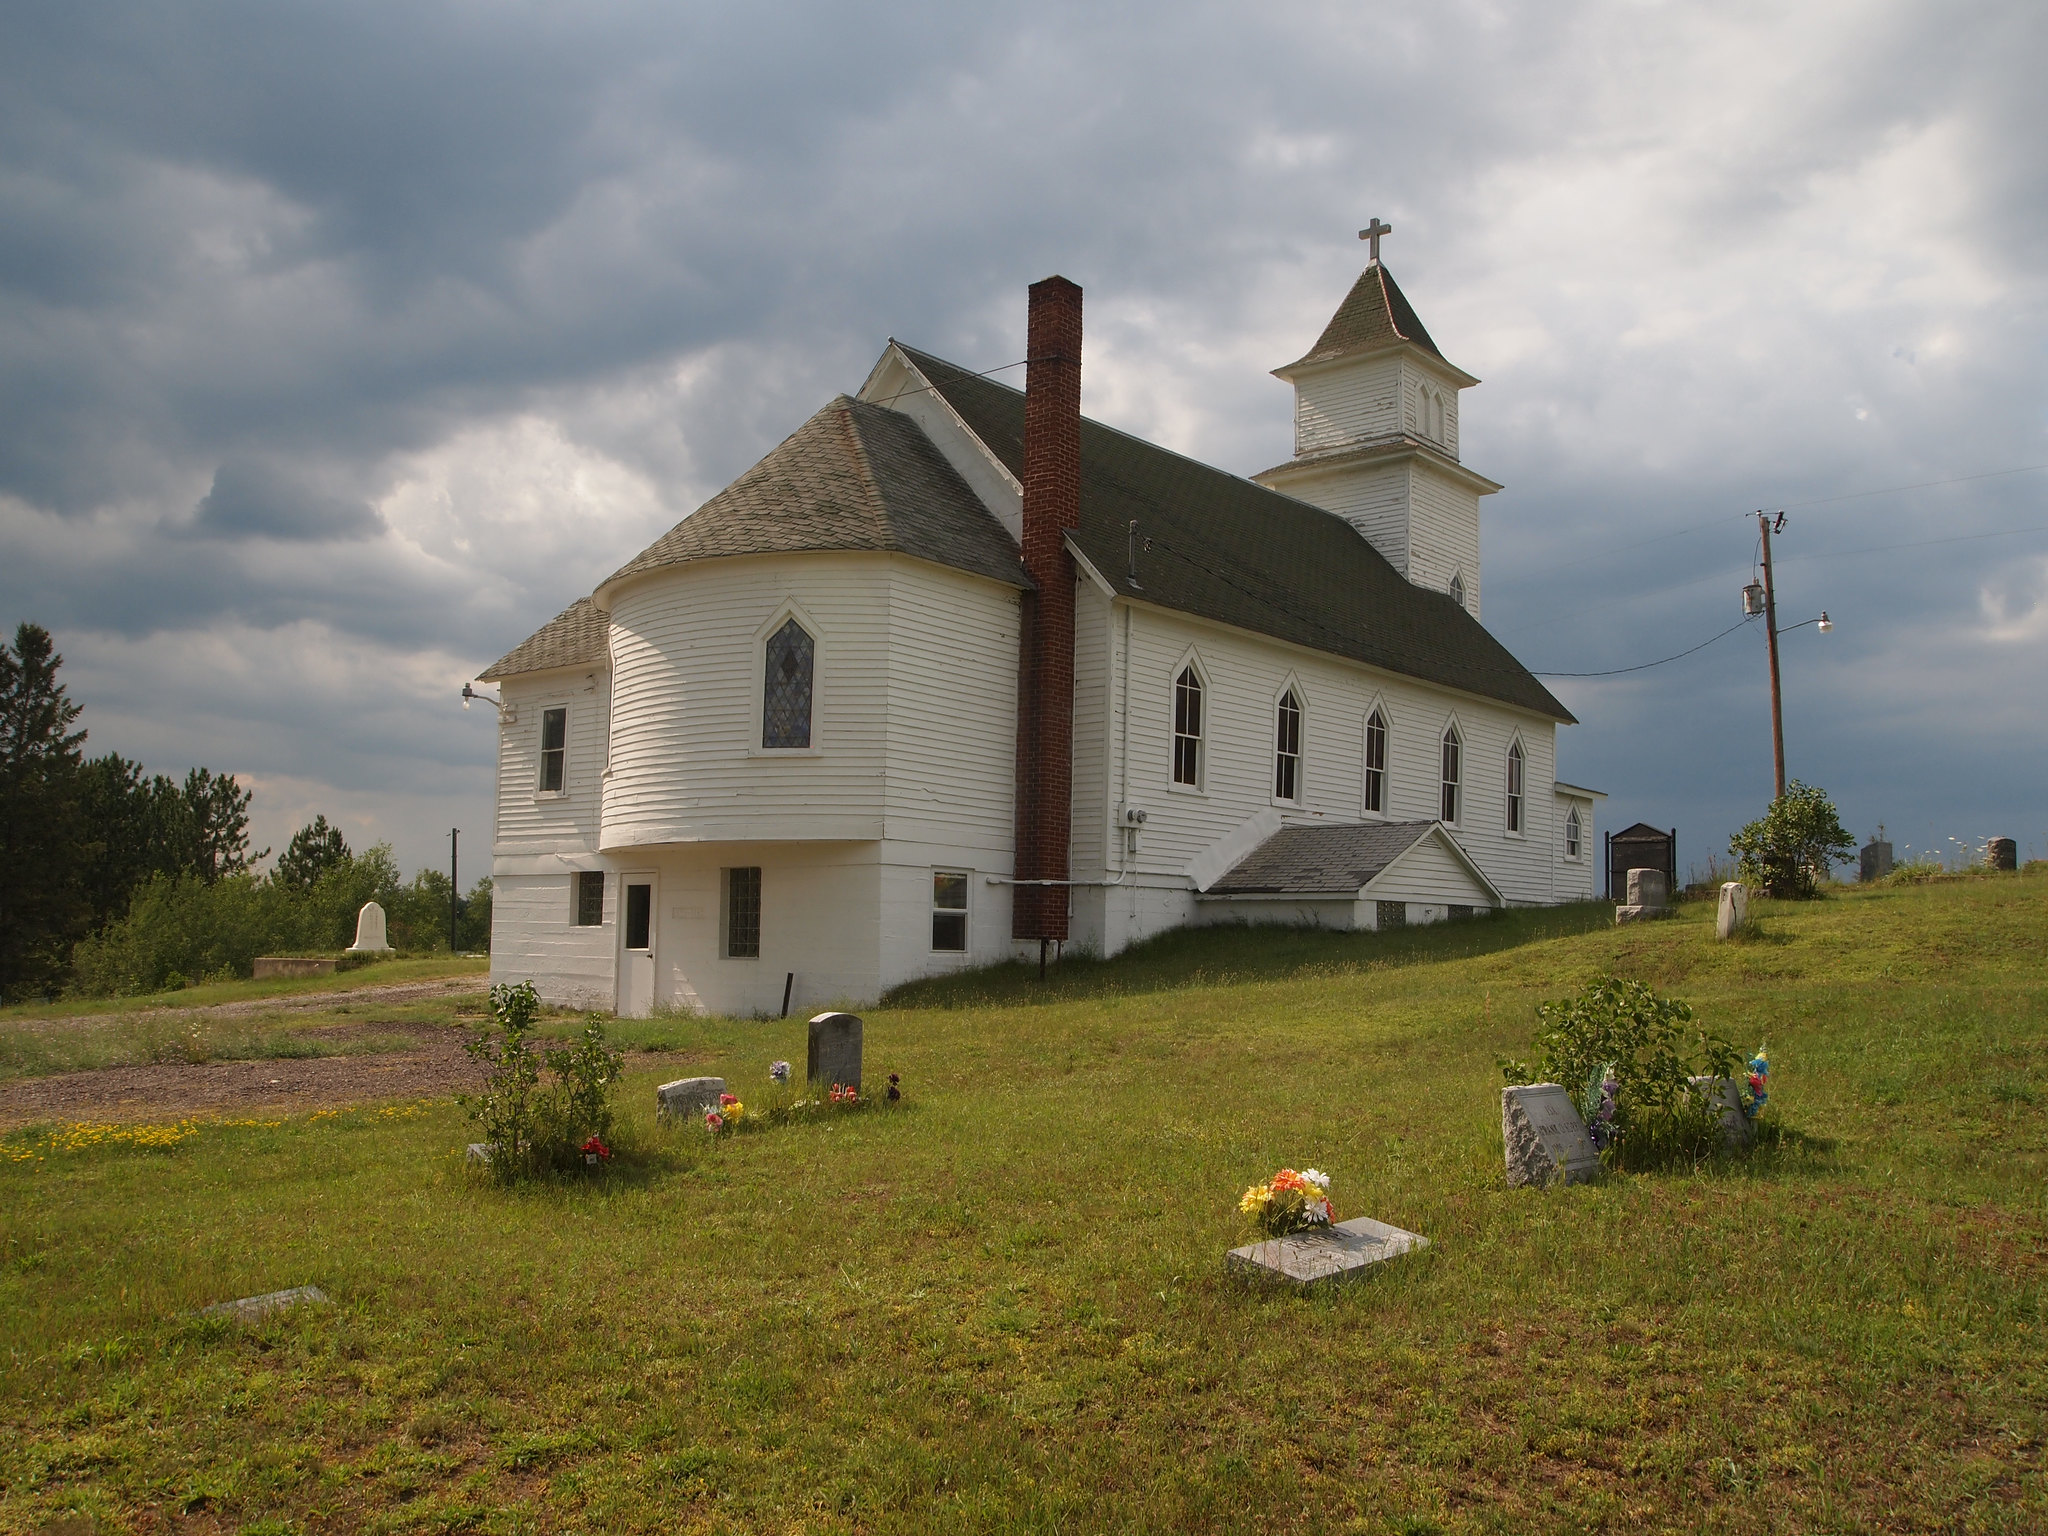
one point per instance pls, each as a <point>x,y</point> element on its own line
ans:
<point>835,1051</point>
<point>1547,1141</point>
<point>687,1097</point>
<point>1649,896</point>
<point>1737,1129</point>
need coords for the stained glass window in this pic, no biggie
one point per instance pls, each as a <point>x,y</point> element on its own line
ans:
<point>786,705</point>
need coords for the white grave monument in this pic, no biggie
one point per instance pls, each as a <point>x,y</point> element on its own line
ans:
<point>370,938</point>
<point>1734,913</point>
<point>1547,1141</point>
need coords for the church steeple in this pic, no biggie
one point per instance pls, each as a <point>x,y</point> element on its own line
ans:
<point>1376,435</point>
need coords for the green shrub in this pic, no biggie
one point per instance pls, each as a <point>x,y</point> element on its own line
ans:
<point>1789,850</point>
<point>1621,1033</point>
<point>530,1126</point>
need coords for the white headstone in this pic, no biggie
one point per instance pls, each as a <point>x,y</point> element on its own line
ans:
<point>1547,1141</point>
<point>687,1097</point>
<point>1734,914</point>
<point>370,931</point>
<point>1340,1252</point>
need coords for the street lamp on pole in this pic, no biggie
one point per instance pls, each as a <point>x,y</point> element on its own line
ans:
<point>1762,597</point>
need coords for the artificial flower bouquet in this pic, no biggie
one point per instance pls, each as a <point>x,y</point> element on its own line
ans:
<point>595,1152</point>
<point>1289,1202</point>
<point>727,1116</point>
<point>1759,1083</point>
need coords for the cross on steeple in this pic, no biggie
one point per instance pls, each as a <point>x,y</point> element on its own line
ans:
<point>1371,236</point>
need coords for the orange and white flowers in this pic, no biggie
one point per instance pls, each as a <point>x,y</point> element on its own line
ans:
<point>1289,1202</point>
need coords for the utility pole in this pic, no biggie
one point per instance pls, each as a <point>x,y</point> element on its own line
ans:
<point>1763,524</point>
<point>455,833</point>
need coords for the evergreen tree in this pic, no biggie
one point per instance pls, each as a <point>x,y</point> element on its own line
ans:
<point>139,821</point>
<point>45,843</point>
<point>314,849</point>
<point>217,825</point>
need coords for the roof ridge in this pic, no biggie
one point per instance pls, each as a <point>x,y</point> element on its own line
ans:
<point>863,465</point>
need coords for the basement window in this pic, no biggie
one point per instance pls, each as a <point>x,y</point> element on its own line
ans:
<point>1390,914</point>
<point>554,750</point>
<point>590,898</point>
<point>949,911</point>
<point>743,913</point>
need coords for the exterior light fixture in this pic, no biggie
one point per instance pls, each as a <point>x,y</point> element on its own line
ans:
<point>1826,623</point>
<point>469,693</point>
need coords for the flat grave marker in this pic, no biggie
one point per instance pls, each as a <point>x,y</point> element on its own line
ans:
<point>1332,1254</point>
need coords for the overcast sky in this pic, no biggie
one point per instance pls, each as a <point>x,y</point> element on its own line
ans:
<point>340,347</point>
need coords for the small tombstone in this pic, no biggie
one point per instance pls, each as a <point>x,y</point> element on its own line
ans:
<point>1737,1129</point>
<point>1875,861</point>
<point>370,931</point>
<point>1547,1141</point>
<point>2002,853</point>
<point>480,1153</point>
<point>687,1097</point>
<point>1343,1251</point>
<point>1649,896</point>
<point>1734,914</point>
<point>253,1309</point>
<point>835,1051</point>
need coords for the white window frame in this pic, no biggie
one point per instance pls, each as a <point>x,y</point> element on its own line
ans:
<point>540,758</point>
<point>1455,785</point>
<point>757,707</point>
<point>1292,686</point>
<point>1456,588</point>
<point>1574,833</point>
<point>1378,706</point>
<point>964,911</point>
<point>1190,661</point>
<point>1514,817</point>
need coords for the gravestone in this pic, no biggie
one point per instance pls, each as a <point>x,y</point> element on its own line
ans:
<point>1335,1253</point>
<point>1649,896</point>
<point>1734,914</point>
<point>2002,853</point>
<point>1737,1129</point>
<point>370,931</point>
<point>1547,1141</point>
<point>274,967</point>
<point>253,1309</point>
<point>687,1097</point>
<point>1875,861</point>
<point>835,1051</point>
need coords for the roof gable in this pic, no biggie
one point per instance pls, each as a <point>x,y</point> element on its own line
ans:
<point>853,477</point>
<point>1339,860</point>
<point>1228,549</point>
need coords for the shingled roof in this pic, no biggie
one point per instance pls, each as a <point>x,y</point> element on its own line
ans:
<point>1320,861</point>
<point>1374,315</point>
<point>575,637</point>
<point>853,477</point>
<point>1228,549</point>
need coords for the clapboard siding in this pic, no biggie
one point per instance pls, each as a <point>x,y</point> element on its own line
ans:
<point>1245,675</point>
<point>1347,405</point>
<point>1094,676</point>
<point>1429,873</point>
<point>534,938</point>
<point>1374,501</point>
<point>528,821</point>
<point>1445,535</point>
<point>952,716</point>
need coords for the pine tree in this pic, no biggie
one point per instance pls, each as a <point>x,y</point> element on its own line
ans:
<point>314,849</point>
<point>45,842</point>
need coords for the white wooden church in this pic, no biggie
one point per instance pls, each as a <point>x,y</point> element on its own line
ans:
<point>955,674</point>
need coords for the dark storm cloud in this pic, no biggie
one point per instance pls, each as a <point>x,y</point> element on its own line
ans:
<point>401,325</point>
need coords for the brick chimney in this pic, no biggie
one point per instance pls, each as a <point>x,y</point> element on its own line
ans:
<point>1045,662</point>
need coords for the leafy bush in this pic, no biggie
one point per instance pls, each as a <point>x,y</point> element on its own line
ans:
<point>1788,851</point>
<point>531,1126</point>
<point>1644,1051</point>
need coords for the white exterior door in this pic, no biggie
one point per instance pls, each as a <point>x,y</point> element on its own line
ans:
<point>637,906</point>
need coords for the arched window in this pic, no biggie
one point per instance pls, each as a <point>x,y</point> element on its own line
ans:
<point>1287,748</point>
<point>1187,728</point>
<point>1515,787</point>
<point>1376,762</point>
<point>786,694</point>
<point>1458,588</point>
<point>1453,767</point>
<point>1572,831</point>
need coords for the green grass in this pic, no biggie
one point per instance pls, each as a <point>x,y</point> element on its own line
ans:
<point>1001,1307</point>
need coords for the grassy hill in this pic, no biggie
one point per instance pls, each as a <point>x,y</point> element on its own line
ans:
<point>1001,1307</point>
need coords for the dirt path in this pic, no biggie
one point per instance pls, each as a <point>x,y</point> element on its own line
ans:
<point>290,1002</point>
<point>433,1068</point>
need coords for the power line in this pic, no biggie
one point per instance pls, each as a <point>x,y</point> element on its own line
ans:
<point>1646,665</point>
